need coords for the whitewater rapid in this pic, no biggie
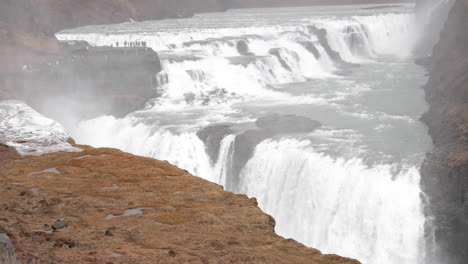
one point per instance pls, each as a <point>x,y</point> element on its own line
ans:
<point>202,64</point>
<point>350,187</point>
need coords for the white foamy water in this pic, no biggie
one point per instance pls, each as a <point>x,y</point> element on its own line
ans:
<point>201,59</point>
<point>351,187</point>
<point>338,205</point>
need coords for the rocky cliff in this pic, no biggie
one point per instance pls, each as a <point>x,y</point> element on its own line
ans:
<point>445,170</point>
<point>34,65</point>
<point>65,203</point>
<point>106,206</point>
<point>54,15</point>
<point>85,82</point>
<point>279,3</point>
<point>431,16</point>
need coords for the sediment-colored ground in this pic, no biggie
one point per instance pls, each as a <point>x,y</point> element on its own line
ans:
<point>178,218</point>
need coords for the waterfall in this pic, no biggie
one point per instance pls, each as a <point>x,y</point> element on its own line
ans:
<point>232,69</point>
<point>338,205</point>
<point>205,66</point>
<point>316,199</point>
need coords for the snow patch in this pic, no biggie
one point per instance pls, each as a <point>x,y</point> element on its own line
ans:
<point>31,133</point>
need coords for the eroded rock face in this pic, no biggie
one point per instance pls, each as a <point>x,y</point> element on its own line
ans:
<point>243,48</point>
<point>7,251</point>
<point>55,15</point>
<point>29,52</point>
<point>279,3</point>
<point>5,243</point>
<point>445,170</point>
<point>277,53</point>
<point>310,46</point>
<point>90,81</point>
<point>334,55</point>
<point>431,16</point>
<point>266,127</point>
<point>160,214</point>
<point>212,137</point>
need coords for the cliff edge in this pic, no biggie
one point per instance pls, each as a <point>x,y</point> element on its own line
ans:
<point>107,206</point>
<point>65,203</point>
<point>445,170</point>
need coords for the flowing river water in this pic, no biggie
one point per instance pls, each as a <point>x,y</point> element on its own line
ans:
<point>350,187</point>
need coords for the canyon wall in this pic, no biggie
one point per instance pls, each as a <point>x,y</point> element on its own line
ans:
<point>280,3</point>
<point>55,15</point>
<point>431,16</point>
<point>27,29</point>
<point>445,170</point>
<point>36,68</point>
<point>86,82</point>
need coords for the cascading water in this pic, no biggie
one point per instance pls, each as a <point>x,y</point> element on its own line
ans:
<point>350,187</point>
<point>345,197</point>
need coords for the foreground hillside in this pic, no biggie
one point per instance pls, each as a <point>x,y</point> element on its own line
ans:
<point>106,206</point>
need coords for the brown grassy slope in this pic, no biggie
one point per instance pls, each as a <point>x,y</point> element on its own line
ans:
<point>186,220</point>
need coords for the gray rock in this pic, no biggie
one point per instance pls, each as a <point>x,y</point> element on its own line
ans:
<point>212,137</point>
<point>7,250</point>
<point>334,55</point>
<point>5,242</point>
<point>310,46</point>
<point>276,52</point>
<point>267,127</point>
<point>243,48</point>
<point>59,224</point>
<point>92,81</point>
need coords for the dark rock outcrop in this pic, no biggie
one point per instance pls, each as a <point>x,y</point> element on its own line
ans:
<point>212,137</point>
<point>243,48</point>
<point>277,53</point>
<point>310,46</point>
<point>54,15</point>
<point>33,63</point>
<point>246,141</point>
<point>58,224</point>
<point>7,250</point>
<point>89,81</point>
<point>267,127</point>
<point>445,170</point>
<point>321,34</point>
<point>280,3</point>
<point>5,243</point>
<point>431,16</point>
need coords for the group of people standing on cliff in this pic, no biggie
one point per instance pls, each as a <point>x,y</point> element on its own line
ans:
<point>131,44</point>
